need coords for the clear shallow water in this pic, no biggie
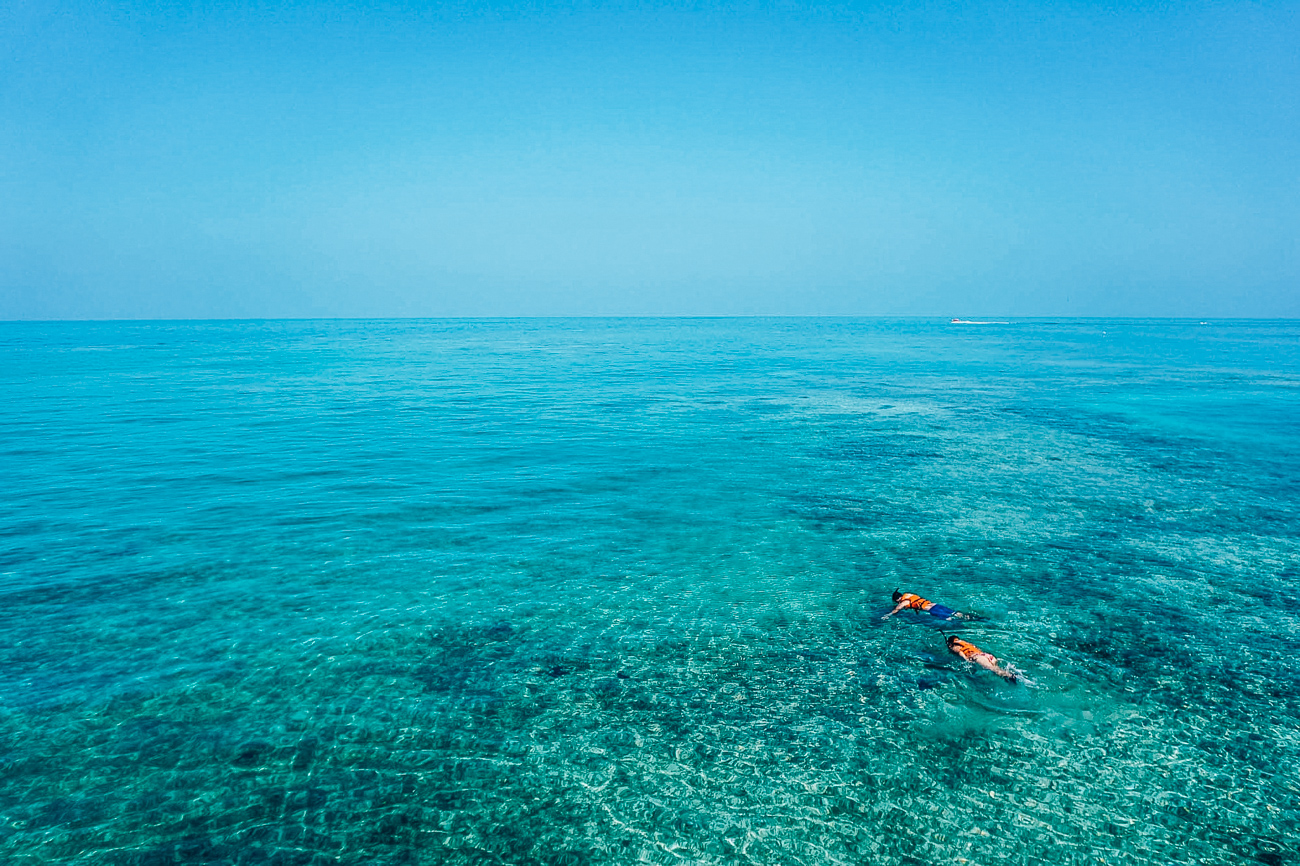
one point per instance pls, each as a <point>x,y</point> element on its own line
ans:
<point>608,591</point>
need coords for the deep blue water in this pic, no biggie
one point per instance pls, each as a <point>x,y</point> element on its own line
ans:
<point>609,591</point>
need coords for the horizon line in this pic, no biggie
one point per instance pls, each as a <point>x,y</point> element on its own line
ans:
<point>1008,319</point>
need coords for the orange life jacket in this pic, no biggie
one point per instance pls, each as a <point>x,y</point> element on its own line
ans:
<point>915,602</point>
<point>967,650</point>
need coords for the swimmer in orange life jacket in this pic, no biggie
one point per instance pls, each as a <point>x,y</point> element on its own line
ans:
<point>915,602</point>
<point>975,655</point>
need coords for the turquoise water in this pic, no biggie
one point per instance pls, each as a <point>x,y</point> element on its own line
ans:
<point>609,591</point>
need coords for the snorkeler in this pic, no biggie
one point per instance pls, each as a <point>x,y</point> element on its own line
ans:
<point>915,602</point>
<point>975,655</point>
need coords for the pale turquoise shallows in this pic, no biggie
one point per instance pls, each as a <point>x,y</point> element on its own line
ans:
<point>610,591</point>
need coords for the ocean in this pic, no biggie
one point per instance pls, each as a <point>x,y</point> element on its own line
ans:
<point>608,591</point>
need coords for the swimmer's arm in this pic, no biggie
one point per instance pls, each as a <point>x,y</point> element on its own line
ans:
<point>901,605</point>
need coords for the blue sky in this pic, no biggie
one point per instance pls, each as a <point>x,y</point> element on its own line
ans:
<point>1018,159</point>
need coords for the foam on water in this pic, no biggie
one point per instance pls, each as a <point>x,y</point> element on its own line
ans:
<point>610,592</point>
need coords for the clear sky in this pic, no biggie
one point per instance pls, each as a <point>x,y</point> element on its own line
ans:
<point>174,160</point>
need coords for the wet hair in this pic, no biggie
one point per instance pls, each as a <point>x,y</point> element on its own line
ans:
<point>950,639</point>
<point>897,595</point>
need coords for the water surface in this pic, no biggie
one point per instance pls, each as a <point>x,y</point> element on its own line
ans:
<point>609,591</point>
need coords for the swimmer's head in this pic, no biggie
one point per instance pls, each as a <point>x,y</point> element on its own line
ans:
<point>897,595</point>
<point>952,639</point>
